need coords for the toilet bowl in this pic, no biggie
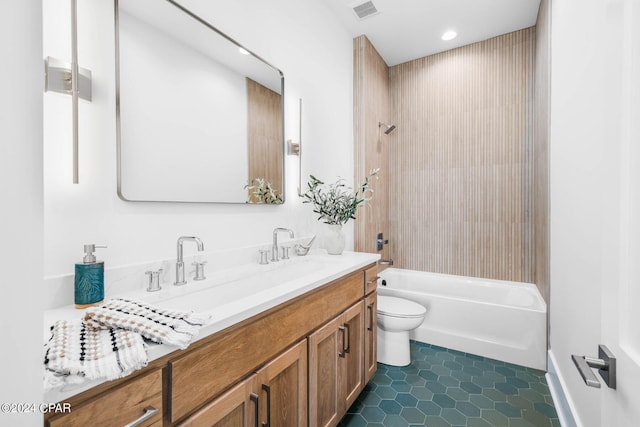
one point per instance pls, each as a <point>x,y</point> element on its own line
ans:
<point>396,318</point>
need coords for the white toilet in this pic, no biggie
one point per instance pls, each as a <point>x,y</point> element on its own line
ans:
<point>396,317</point>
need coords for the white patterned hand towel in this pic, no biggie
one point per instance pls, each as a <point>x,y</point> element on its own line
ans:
<point>158,325</point>
<point>76,351</point>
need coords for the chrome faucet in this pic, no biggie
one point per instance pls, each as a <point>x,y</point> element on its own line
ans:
<point>180,280</point>
<point>274,248</point>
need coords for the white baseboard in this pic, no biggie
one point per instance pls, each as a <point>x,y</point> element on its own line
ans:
<point>562,403</point>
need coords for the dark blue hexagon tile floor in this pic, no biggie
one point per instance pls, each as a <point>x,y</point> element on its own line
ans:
<point>445,388</point>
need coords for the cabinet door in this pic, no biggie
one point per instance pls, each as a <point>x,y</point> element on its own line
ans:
<point>283,389</point>
<point>351,373</point>
<point>325,348</point>
<point>236,408</point>
<point>370,336</point>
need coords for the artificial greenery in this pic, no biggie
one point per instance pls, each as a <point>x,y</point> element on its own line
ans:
<point>336,203</point>
<point>263,192</point>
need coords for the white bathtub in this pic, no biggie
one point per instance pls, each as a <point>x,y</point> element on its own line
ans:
<point>491,318</point>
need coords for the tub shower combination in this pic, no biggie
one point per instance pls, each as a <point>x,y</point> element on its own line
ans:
<point>492,318</point>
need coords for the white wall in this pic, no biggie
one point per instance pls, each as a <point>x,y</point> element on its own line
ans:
<point>21,215</point>
<point>300,37</point>
<point>584,188</point>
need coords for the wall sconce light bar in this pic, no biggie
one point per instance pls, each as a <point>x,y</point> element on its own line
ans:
<point>70,79</point>
<point>58,78</point>
<point>293,148</point>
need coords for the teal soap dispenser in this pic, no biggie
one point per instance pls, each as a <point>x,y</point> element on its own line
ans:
<point>89,279</point>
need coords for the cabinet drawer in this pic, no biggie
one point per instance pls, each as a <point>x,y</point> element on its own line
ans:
<point>370,279</point>
<point>119,407</point>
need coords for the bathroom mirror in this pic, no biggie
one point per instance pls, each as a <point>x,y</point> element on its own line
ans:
<point>199,117</point>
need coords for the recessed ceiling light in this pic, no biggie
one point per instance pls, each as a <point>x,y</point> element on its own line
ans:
<point>243,51</point>
<point>449,35</point>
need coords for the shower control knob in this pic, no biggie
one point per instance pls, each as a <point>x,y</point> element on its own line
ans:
<point>380,241</point>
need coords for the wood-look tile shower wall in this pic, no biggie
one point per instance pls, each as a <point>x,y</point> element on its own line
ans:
<point>371,145</point>
<point>461,160</point>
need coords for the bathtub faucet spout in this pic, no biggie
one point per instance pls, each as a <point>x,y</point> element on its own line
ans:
<point>385,262</point>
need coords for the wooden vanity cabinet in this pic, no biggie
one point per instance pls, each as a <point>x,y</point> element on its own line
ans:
<point>297,364</point>
<point>336,356</point>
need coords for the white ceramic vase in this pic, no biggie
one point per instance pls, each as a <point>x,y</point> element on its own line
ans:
<point>334,240</point>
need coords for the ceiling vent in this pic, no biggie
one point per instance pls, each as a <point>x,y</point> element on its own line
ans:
<point>364,10</point>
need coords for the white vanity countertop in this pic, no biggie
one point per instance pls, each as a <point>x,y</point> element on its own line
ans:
<point>229,296</point>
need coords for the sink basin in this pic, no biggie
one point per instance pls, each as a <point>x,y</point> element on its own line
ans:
<point>220,290</point>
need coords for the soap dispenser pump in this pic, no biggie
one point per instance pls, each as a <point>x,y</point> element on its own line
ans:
<point>89,279</point>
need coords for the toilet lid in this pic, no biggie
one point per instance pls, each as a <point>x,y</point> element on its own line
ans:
<point>399,307</point>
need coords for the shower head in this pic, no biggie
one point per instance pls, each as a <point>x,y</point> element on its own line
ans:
<point>389,128</point>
